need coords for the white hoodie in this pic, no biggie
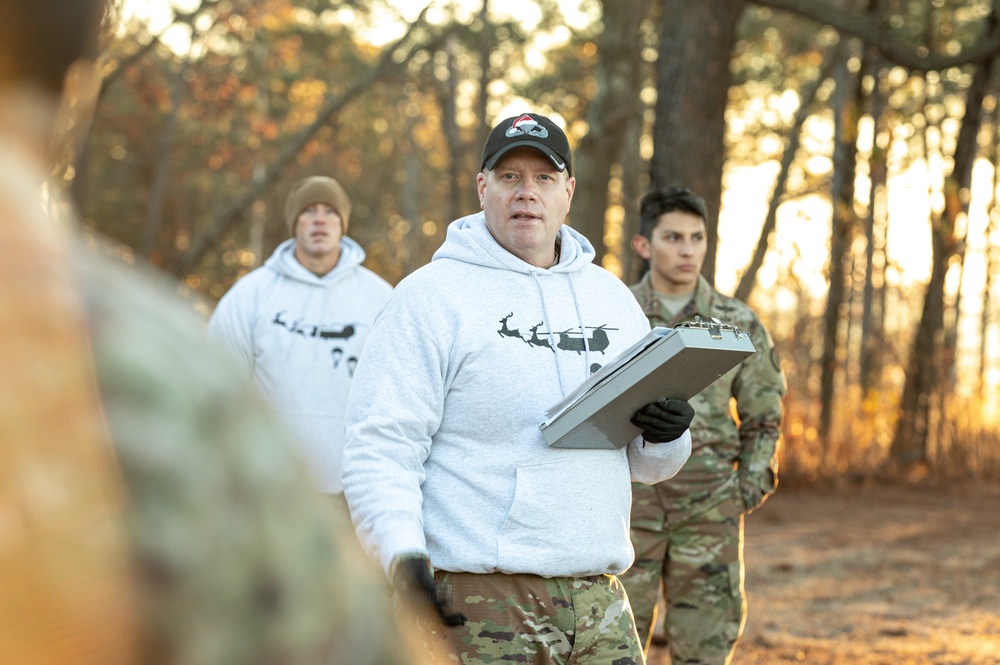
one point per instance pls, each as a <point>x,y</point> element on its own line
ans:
<point>301,337</point>
<point>444,454</point>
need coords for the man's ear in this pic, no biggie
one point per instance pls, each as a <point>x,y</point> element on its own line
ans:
<point>640,245</point>
<point>481,188</point>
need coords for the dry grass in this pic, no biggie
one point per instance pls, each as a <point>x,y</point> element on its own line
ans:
<point>962,443</point>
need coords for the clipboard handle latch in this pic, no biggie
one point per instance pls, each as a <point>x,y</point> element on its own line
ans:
<point>713,325</point>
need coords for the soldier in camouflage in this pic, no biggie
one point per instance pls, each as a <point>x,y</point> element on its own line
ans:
<point>153,508</point>
<point>688,531</point>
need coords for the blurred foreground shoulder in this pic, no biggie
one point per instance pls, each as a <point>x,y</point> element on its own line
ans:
<point>239,558</point>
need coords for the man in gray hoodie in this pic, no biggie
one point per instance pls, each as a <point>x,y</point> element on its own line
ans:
<point>451,485</point>
<point>298,322</point>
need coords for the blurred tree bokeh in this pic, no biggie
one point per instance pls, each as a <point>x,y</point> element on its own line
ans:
<point>836,139</point>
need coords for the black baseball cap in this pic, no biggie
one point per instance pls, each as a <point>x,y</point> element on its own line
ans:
<point>531,130</point>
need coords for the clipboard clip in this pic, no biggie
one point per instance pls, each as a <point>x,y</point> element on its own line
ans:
<point>713,325</point>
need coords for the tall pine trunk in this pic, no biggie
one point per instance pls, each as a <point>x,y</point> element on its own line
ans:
<point>869,359</point>
<point>794,140</point>
<point>923,377</point>
<point>842,228</point>
<point>692,92</point>
<point>615,109</point>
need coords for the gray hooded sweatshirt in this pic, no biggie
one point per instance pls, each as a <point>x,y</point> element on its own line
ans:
<point>444,454</point>
<point>301,335</point>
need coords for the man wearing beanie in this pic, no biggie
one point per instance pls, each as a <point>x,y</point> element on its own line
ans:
<point>512,546</point>
<point>299,322</point>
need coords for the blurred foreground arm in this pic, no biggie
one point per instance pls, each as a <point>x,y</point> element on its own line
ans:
<point>65,580</point>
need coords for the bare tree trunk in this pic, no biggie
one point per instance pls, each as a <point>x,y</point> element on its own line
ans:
<point>871,317</point>
<point>410,199</point>
<point>609,117</point>
<point>446,98</point>
<point>842,228</point>
<point>161,176</point>
<point>859,277</point>
<point>910,444</point>
<point>158,190</point>
<point>632,170</point>
<point>952,313</point>
<point>258,218</point>
<point>486,42</point>
<point>749,276</point>
<point>696,43</point>
<point>993,211</point>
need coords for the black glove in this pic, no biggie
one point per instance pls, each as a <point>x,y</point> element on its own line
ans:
<point>664,420</point>
<point>414,581</point>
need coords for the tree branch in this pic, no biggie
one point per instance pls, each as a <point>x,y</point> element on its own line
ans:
<point>868,29</point>
<point>388,63</point>
<point>185,18</point>
<point>808,96</point>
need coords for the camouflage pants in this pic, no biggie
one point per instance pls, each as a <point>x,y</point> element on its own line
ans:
<point>697,561</point>
<point>537,620</point>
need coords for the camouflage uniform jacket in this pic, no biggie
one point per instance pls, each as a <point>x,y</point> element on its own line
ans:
<point>726,452</point>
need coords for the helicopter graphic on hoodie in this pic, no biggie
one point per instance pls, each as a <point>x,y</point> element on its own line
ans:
<point>569,339</point>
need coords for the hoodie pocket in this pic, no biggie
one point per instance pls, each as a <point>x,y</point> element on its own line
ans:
<point>569,517</point>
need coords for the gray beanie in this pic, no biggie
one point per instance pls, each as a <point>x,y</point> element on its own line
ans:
<point>317,189</point>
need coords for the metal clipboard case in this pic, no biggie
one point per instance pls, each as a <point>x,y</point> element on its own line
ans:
<point>676,362</point>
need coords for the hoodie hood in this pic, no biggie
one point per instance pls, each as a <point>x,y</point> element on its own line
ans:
<point>283,262</point>
<point>470,241</point>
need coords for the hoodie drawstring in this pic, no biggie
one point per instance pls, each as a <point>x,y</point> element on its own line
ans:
<point>553,343</point>
<point>579,318</point>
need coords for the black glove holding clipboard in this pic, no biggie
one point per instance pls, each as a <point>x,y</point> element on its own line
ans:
<point>664,420</point>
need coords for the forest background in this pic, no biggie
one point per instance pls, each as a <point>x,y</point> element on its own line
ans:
<point>847,150</point>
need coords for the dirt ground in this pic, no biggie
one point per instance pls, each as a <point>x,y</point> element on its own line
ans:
<point>877,575</point>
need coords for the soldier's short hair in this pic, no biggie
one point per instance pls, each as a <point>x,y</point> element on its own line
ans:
<point>40,39</point>
<point>658,202</point>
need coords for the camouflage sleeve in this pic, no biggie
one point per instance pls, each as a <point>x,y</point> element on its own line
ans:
<point>759,389</point>
<point>64,572</point>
